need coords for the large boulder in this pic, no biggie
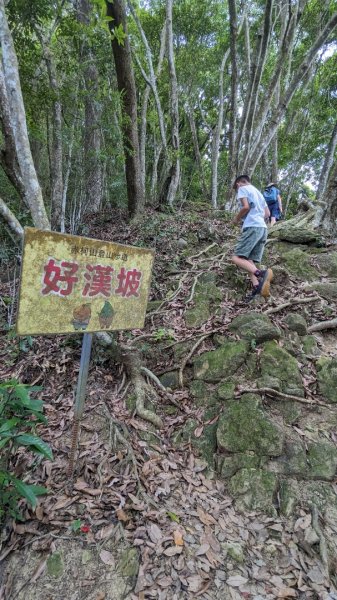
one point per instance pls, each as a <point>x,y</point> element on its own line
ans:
<point>222,363</point>
<point>280,370</point>
<point>328,263</point>
<point>298,264</point>
<point>298,235</point>
<point>326,290</point>
<point>296,322</point>
<point>246,427</point>
<point>207,297</point>
<point>327,378</point>
<point>254,489</point>
<point>255,327</point>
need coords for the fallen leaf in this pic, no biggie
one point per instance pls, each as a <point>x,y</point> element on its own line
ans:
<point>172,550</point>
<point>202,549</point>
<point>286,593</point>
<point>204,517</point>
<point>236,580</point>
<point>107,558</point>
<point>154,533</point>
<point>105,532</point>
<point>194,583</point>
<point>121,515</point>
<point>198,431</point>
<point>100,596</point>
<point>178,538</point>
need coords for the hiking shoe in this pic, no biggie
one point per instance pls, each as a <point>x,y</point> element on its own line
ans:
<point>264,283</point>
<point>249,297</point>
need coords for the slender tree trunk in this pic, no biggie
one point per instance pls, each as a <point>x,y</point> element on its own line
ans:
<point>197,150</point>
<point>10,219</point>
<point>127,89</point>
<point>146,95</point>
<point>216,136</point>
<point>93,170</point>
<point>233,25</point>
<point>14,101</point>
<point>174,177</point>
<point>327,165</point>
<point>326,216</point>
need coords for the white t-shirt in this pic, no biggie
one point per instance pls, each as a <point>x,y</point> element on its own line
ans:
<point>257,203</point>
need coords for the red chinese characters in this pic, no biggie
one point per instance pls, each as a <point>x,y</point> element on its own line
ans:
<point>129,282</point>
<point>99,280</point>
<point>59,277</point>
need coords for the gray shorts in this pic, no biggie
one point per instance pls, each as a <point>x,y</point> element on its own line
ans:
<point>251,243</point>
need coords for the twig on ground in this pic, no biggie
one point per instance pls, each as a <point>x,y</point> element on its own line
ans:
<point>187,358</point>
<point>272,392</point>
<point>190,298</point>
<point>120,387</point>
<point>323,325</point>
<point>190,258</point>
<point>292,302</point>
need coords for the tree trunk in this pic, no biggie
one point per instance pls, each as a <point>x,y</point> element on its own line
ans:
<point>174,176</point>
<point>326,213</point>
<point>93,170</point>
<point>327,165</point>
<point>10,219</point>
<point>14,100</point>
<point>216,137</point>
<point>197,150</point>
<point>127,89</point>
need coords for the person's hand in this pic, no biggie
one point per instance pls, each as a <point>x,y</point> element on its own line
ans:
<point>234,223</point>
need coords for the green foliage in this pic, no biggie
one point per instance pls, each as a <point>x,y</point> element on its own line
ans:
<point>19,414</point>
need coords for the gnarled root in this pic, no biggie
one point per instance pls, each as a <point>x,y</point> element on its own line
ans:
<point>133,364</point>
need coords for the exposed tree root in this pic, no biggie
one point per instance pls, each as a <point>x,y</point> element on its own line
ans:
<point>190,258</point>
<point>132,362</point>
<point>272,392</point>
<point>323,325</point>
<point>187,358</point>
<point>292,302</point>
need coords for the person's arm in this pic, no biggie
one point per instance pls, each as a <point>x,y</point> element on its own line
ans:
<point>279,202</point>
<point>242,213</point>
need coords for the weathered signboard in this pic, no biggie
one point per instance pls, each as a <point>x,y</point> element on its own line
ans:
<point>76,284</point>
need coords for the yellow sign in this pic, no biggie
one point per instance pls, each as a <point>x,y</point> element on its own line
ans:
<point>71,283</point>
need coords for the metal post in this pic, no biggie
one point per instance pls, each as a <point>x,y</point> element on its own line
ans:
<point>80,397</point>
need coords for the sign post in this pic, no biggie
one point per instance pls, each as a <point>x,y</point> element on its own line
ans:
<point>73,284</point>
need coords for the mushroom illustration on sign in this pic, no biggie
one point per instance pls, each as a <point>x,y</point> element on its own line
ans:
<point>106,315</point>
<point>82,315</point>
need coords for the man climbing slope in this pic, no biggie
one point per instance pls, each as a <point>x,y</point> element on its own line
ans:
<point>250,246</point>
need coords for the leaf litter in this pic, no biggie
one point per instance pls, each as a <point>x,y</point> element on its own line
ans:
<point>181,521</point>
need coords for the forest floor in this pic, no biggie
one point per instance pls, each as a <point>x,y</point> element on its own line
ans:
<point>144,518</point>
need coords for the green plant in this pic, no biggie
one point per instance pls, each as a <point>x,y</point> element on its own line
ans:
<point>163,333</point>
<point>19,415</point>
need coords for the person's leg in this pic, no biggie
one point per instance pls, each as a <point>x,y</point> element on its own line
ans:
<point>248,266</point>
<point>265,276</point>
<point>273,213</point>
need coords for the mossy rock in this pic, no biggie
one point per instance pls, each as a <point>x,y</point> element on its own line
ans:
<point>195,317</point>
<point>234,550</point>
<point>234,279</point>
<point>205,444</point>
<point>296,322</point>
<point>170,380</point>
<point>254,327</point>
<point>298,264</point>
<point>326,290</point>
<point>309,346</point>
<point>245,427</point>
<point>181,349</point>
<point>290,411</point>
<point>203,394</point>
<point>293,460</point>
<point>328,263</point>
<point>327,378</point>
<point>254,489</point>
<point>278,364</point>
<point>294,494</point>
<point>321,460</point>
<point>226,390</point>
<point>228,465</point>
<point>298,235</point>
<point>215,365</point>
